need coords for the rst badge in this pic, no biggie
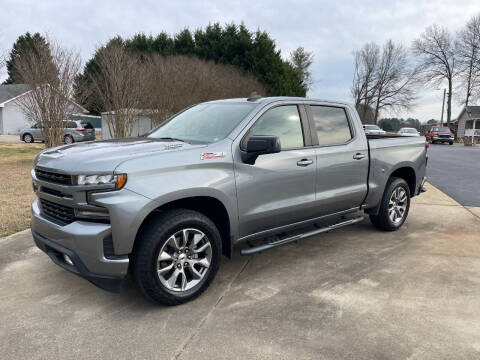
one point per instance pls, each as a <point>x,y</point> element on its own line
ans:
<point>212,155</point>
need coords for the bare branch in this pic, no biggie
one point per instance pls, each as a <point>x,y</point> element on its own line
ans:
<point>49,73</point>
<point>436,50</point>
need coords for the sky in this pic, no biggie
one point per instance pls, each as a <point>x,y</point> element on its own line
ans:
<point>331,30</point>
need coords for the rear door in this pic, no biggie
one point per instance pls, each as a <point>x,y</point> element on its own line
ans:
<point>279,189</point>
<point>341,154</point>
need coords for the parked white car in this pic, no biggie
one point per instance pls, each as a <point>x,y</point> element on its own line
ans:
<point>408,132</point>
<point>373,130</point>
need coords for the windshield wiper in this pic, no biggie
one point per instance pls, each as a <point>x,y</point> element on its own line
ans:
<point>170,138</point>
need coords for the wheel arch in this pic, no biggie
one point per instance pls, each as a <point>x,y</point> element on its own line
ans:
<point>210,206</point>
<point>405,172</point>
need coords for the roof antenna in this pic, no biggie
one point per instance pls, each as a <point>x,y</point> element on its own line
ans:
<point>253,96</point>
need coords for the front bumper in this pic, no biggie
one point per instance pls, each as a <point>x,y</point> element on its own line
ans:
<point>83,242</point>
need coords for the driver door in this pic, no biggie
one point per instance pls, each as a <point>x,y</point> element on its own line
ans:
<point>278,189</point>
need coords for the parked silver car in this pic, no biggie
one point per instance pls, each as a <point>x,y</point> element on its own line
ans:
<point>408,132</point>
<point>75,131</point>
<point>373,130</point>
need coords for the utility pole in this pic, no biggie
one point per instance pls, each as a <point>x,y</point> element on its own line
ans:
<point>443,106</point>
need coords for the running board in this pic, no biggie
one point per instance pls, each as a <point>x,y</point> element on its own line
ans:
<point>290,239</point>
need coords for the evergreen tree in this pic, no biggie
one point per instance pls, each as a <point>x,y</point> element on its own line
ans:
<point>24,44</point>
<point>251,52</point>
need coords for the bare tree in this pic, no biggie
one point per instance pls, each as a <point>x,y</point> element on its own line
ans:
<point>394,80</point>
<point>49,72</point>
<point>363,85</point>
<point>383,80</point>
<point>120,83</point>
<point>175,82</point>
<point>301,61</point>
<point>436,51</point>
<point>468,52</point>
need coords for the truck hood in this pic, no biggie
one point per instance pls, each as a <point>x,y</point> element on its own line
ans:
<point>104,156</point>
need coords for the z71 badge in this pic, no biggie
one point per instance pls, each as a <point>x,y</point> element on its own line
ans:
<point>212,155</point>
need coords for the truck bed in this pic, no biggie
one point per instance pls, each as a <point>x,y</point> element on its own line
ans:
<point>388,153</point>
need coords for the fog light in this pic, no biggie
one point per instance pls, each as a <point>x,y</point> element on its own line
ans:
<point>67,259</point>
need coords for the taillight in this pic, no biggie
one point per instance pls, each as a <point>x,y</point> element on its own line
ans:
<point>81,129</point>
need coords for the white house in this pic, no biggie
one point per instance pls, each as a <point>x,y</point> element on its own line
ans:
<point>146,120</point>
<point>12,119</point>
<point>469,122</point>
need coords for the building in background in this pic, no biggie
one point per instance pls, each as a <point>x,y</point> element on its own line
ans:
<point>469,123</point>
<point>145,121</point>
<point>12,118</point>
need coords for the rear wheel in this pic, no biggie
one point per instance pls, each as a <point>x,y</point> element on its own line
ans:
<point>394,207</point>
<point>68,139</point>
<point>177,256</point>
<point>28,138</point>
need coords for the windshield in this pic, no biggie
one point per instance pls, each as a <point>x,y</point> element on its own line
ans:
<point>409,130</point>
<point>442,129</point>
<point>204,123</point>
<point>372,127</point>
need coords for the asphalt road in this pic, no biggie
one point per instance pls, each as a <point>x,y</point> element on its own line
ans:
<point>354,293</point>
<point>456,171</point>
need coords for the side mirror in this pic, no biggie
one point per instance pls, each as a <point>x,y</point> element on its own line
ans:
<point>260,145</point>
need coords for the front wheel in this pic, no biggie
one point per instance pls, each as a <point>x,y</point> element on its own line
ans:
<point>394,206</point>
<point>28,138</point>
<point>176,257</point>
<point>450,142</point>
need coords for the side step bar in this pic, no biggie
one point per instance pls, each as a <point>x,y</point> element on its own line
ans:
<point>290,239</point>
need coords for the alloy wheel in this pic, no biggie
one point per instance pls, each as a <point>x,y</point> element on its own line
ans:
<point>397,205</point>
<point>184,260</point>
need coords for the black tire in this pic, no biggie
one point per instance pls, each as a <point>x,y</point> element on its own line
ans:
<point>450,142</point>
<point>432,142</point>
<point>68,139</point>
<point>383,221</point>
<point>28,138</point>
<point>150,241</point>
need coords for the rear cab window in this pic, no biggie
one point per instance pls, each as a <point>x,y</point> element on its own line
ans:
<point>331,125</point>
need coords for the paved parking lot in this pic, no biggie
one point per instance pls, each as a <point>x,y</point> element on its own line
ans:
<point>456,171</point>
<point>353,293</point>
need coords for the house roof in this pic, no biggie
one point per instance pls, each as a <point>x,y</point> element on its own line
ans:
<point>473,112</point>
<point>9,92</point>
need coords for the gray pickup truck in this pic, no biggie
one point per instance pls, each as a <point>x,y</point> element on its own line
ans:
<point>259,171</point>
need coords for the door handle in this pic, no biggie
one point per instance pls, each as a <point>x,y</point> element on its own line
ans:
<point>358,156</point>
<point>304,162</point>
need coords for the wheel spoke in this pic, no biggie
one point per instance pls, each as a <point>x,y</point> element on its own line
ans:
<point>202,262</point>
<point>173,242</point>
<point>196,274</point>
<point>164,256</point>
<point>165,269</point>
<point>185,237</point>
<point>197,238</point>
<point>184,280</point>
<point>173,279</point>
<point>202,248</point>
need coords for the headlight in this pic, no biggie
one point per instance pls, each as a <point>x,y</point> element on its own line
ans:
<point>118,180</point>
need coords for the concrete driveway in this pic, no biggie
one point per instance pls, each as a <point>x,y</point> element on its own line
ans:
<point>353,293</point>
<point>455,170</point>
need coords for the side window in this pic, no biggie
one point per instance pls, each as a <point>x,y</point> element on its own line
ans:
<point>331,124</point>
<point>284,122</point>
<point>71,125</point>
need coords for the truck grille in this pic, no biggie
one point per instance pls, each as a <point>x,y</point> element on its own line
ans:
<point>63,214</point>
<point>444,136</point>
<point>53,177</point>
